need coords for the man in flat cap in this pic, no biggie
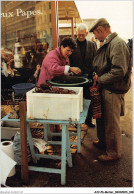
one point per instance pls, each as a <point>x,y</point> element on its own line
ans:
<point>112,67</point>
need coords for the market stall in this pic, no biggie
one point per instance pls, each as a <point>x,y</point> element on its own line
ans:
<point>65,141</point>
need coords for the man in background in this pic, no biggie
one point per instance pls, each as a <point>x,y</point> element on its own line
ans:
<point>82,57</point>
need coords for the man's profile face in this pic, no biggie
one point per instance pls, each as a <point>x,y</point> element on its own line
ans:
<point>81,35</point>
<point>100,34</point>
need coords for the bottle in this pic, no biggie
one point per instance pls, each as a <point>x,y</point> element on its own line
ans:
<point>19,54</point>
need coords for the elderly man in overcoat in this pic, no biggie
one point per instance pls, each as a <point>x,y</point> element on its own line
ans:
<point>83,57</point>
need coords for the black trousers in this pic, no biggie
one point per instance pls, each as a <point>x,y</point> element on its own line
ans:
<point>89,115</point>
<point>86,95</point>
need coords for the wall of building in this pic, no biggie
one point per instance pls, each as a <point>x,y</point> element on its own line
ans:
<point>30,21</point>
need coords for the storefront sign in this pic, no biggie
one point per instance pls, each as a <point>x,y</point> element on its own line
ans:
<point>20,12</point>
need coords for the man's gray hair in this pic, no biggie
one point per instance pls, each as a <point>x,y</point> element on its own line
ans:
<point>82,26</point>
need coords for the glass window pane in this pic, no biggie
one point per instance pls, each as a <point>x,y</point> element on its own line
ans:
<point>30,23</point>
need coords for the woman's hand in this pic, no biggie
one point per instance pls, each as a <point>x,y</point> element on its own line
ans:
<point>75,70</point>
<point>95,77</point>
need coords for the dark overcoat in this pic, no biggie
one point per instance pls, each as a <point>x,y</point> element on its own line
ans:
<point>86,65</point>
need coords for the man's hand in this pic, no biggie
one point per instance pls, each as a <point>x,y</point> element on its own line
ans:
<point>75,70</point>
<point>95,77</point>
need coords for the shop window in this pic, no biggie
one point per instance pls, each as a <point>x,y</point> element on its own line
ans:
<point>27,28</point>
<point>50,18</point>
<point>51,31</point>
<point>49,5</point>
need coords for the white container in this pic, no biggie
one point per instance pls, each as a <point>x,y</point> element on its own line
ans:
<point>19,54</point>
<point>8,132</point>
<point>55,106</point>
<point>9,129</point>
<point>18,61</point>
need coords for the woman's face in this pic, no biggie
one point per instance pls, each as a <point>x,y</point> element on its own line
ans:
<point>66,51</point>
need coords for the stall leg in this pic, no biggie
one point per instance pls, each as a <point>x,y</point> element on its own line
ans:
<point>79,139</point>
<point>45,132</point>
<point>69,156</point>
<point>23,133</point>
<point>63,155</point>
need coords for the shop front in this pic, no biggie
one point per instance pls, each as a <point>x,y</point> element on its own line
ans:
<point>29,30</point>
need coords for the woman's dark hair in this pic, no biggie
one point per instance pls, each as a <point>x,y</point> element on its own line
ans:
<point>68,42</point>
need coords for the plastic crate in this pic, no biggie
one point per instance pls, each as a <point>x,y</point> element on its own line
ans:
<point>55,106</point>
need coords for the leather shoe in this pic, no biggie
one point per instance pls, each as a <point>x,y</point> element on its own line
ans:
<point>98,144</point>
<point>106,158</point>
<point>91,125</point>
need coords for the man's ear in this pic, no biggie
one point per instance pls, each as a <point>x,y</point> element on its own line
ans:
<point>86,33</point>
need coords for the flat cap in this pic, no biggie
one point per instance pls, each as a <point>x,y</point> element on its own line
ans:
<point>99,22</point>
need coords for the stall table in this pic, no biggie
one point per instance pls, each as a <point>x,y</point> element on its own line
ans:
<point>65,141</point>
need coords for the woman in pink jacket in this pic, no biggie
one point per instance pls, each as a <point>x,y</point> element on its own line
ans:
<point>56,62</point>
